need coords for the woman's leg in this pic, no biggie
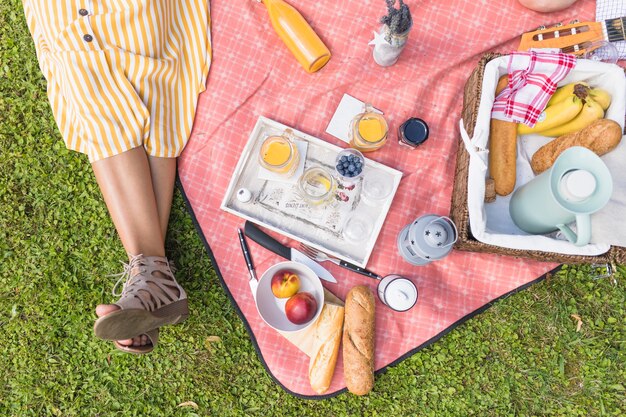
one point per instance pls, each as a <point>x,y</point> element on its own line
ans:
<point>126,184</point>
<point>137,190</point>
<point>163,173</point>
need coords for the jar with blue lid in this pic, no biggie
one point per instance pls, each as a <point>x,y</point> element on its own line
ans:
<point>413,133</point>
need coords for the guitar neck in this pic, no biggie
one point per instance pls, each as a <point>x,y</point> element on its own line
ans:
<point>615,29</point>
<point>576,37</point>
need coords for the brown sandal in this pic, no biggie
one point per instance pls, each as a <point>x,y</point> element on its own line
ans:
<point>147,301</point>
<point>153,337</point>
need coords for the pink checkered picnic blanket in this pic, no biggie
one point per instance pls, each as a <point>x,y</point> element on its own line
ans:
<point>533,77</point>
<point>254,74</point>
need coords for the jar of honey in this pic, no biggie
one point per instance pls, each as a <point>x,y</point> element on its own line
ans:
<point>279,154</point>
<point>369,130</point>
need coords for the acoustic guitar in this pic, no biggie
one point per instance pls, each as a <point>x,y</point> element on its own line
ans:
<point>575,38</point>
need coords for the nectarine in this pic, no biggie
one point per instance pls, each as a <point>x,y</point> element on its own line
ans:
<point>301,308</point>
<point>285,284</point>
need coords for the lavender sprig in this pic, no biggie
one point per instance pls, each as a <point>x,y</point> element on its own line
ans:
<point>398,20</point>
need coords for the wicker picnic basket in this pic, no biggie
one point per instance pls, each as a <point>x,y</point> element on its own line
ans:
<point>459,210</point>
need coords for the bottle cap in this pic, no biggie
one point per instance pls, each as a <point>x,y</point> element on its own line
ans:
<point>578,185</point>
<point>397,292</point>
<point>244,195</point>
<point>413,132</point>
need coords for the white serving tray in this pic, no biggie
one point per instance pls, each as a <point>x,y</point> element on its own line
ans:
<point>278,207</point>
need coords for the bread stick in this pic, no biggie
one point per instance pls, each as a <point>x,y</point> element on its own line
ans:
<point>502,150</point>
<point>358,340</point>
<point>326,347</point>
<point>601,137</point>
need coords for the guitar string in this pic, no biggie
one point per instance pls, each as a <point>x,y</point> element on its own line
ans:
<point>616,31</point>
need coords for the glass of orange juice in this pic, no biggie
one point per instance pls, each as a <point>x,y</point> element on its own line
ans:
<point>369,130</point>
<point>279,154</point>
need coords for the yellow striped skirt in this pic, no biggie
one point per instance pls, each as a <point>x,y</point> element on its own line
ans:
<point>122,73</point>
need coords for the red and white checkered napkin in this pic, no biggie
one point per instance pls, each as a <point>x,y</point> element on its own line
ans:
<point>533,77</point>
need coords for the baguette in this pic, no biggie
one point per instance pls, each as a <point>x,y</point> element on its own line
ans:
<point>490,190</point>
<point>359,340</point>
<point>502,150</point>
<point>503,82</point>
<point>325,347</point>
<point>601,137</point>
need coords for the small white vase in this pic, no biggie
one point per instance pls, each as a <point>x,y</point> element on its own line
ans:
<point>386,53</point>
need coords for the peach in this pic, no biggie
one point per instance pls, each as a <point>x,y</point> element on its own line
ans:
<point>285,283</point>
<point>301,308</point>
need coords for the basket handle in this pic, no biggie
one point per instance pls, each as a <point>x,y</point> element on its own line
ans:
<point>473,150</point>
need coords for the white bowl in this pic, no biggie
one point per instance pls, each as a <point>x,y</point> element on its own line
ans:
<point>272,309</point>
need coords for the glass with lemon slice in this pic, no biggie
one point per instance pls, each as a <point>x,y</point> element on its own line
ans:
<point>316,186</point>
<point>369,130</point>
<point>279,154</point>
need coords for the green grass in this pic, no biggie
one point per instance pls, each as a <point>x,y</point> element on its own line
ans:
<point>522,357</point>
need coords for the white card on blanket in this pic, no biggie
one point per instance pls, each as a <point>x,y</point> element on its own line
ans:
<point>339,125</point>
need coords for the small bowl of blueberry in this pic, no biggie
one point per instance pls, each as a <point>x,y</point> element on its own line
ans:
<point>349,165</point>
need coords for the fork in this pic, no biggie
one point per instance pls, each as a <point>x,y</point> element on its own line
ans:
<point>320,256</point>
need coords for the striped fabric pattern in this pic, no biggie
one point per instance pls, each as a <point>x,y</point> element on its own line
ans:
<point>122,73</point>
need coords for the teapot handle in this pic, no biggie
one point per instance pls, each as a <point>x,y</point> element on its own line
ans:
<point>583,226</point>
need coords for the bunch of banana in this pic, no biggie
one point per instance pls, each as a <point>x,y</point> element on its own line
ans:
<point>570,109</point>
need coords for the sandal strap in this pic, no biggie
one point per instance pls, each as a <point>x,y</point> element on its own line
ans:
<point>143,288</point>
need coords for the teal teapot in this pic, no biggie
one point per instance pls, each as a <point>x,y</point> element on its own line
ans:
<point>577,185</point>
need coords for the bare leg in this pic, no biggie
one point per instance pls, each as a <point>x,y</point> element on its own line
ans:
<point>163,172</point>
<point>126,184</point>
<point>137,190</point>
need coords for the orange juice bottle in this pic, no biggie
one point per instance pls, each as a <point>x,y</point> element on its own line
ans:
<point>298,35</point>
